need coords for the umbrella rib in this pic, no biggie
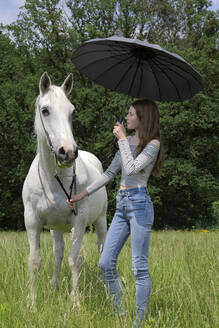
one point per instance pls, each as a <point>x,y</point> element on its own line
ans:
<point>177,73</point>
<point>132,78</point>
<point>141,78</point>
<point>168,77</point>
<point>108,69</point>
<point>106,48</point>
<point>184,70</point>
<point>190,73</point>
<point>109,57</point>
<point>101,59</point>
<point>96,51</point>
<point>154,72</point>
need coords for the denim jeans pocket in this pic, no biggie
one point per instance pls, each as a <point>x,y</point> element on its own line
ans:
<point>143,210</point>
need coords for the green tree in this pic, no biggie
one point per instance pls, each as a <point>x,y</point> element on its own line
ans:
<point>43,39</point>
<point>16,130</point>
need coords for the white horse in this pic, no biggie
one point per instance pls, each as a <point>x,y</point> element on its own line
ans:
<point>43,197</point>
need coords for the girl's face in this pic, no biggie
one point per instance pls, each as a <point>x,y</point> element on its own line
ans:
<point>132,119</point>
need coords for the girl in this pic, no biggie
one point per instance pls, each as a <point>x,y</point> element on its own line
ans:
<point>138,156</point>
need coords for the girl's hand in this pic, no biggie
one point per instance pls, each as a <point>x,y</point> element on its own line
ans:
<point>77,198</point>
<point>119,131</point>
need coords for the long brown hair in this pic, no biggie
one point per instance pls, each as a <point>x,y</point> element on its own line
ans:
<point>149,128</point>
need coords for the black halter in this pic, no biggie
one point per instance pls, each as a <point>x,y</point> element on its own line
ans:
<point>73,183</point>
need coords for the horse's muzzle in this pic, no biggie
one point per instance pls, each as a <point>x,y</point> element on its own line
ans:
<point>66,157</point>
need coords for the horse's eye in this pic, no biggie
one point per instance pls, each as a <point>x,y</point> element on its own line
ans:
<point>45,111</point>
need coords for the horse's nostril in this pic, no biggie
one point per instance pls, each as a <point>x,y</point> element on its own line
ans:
<point>61,151</point>
<point>65,155</point>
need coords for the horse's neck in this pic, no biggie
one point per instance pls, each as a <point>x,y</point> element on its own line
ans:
<point>46,160</point>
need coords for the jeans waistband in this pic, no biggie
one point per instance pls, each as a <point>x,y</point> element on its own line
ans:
<point>132,190</point>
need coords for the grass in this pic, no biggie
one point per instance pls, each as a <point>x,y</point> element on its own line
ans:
<point>183,269</point>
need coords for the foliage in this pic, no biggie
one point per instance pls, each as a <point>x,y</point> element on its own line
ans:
<point>43,39</point>
<point>215,208</point>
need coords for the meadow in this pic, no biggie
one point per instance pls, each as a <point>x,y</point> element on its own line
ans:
<point>183,268</point>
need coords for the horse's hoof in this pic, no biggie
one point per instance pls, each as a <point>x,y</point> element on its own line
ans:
<point>31,304</point>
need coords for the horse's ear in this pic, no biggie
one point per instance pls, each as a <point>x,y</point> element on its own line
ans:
<point>68,84</point>
<point>45,83</point>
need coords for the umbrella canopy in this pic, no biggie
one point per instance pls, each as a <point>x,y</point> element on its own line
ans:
<point>137,68</point>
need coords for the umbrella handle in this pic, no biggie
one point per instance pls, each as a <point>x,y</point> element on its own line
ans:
<point>115,141</point>
<point>121,120</point>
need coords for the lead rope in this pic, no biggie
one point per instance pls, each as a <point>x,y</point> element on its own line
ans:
<point>73,183</point>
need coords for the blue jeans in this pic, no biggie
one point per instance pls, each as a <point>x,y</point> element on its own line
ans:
<point>134,215</point>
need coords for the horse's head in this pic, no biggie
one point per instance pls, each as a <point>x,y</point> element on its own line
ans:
<point>53,122</point>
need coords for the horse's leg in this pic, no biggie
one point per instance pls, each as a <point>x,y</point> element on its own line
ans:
<point>101,229</point>
<point>58,250</point>
<point>34,262</point>
<point>74,258</point>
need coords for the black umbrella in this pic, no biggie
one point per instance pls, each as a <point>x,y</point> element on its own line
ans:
<point>137,68</point>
